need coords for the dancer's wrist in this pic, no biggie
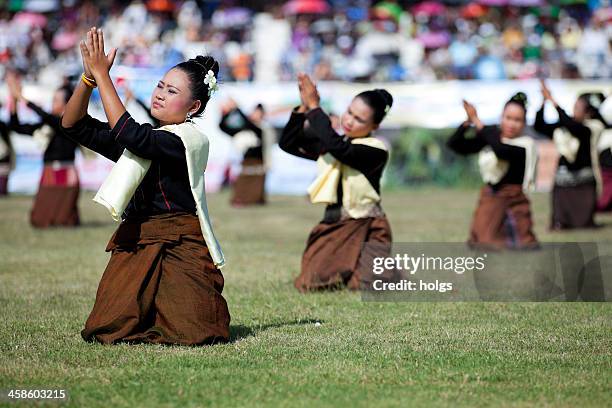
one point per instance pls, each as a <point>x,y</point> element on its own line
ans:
<point>88,80</point>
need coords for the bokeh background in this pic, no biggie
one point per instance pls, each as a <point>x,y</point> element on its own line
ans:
<point>428,54</point>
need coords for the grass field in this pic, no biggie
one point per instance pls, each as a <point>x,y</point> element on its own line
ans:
<point>363,353</point>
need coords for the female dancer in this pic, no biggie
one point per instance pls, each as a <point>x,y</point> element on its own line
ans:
<point>507,162</point>
<point>350,169</point>
<point>6,158</point>
<point>604,148</point>
<point>577,179</point>
<point>55,203</point>
<point>248,135</point>
<point>162,283</point>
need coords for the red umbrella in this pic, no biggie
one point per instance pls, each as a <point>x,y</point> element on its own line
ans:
<point>163,6</point>
<point>429,8</point>
<point>473,10</point>
<point>306,7</point>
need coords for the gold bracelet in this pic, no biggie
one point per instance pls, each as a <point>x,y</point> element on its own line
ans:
<point>90,82</point>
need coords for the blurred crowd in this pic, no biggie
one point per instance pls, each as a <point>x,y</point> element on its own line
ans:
<point>351,40</point>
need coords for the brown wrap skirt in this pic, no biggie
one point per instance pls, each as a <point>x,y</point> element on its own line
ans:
<point>55,203</point>
<point>574,207</point>
<point>334,256</point>
<point>249,187</point>
<point>503,219</point>
<point>160,286</point>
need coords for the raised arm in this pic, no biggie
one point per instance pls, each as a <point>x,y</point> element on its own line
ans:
<point>294,140</point>
<point>360,157</point>
<point>22,128</point>
<point>94,135</point>
<point>76,108</point>
<point>577,129</point>
<point>540,125</point>
<point>14,86</point>
<point>99,65</point>
<point>225,124</point>
<point>462,145</point>
<point>145,141</point>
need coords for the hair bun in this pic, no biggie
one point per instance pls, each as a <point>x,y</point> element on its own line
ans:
<point>386,97</point>
<point>379,100</point>
<point>208,63</point>
<point>520,98</point>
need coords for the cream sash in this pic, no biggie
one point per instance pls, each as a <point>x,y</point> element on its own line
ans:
<point>129,171</point>
<point>244,140</point>
<point>493,169</point>
<point>605,140</point>
<point>358,195</point>
<point>568,146</point>
<point>42,136</point>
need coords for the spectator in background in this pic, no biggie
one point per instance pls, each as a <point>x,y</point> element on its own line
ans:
<point>354,40</point>
<point>463,52</point>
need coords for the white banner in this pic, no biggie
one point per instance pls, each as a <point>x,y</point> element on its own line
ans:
<point>435,105</point>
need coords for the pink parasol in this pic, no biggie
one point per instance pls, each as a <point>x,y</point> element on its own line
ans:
<point>306,7</point>
<point>429,8</point>
<point>30,19</point>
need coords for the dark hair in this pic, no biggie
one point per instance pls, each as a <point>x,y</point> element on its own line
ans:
<point>196,69</point>
<point>380,101</point>
<point>519,99</point>
<point>68,90</point>
<point>593,101</point>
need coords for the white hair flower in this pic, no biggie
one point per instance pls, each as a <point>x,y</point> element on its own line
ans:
<point>387,107</point>
<point>594,101</point>
<point>211,81</point>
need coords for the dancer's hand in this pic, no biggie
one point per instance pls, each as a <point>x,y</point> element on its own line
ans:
<point>472,114</point>
<point>470,110</point>
<point>308,92</point>
<point>14,85</point>
<point>546,94</point>
<point>83,49</point>
<point>99,63</point>
<point>228,106</point>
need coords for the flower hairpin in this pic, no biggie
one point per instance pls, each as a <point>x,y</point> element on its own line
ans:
<point>387,107</point>
<point>594,101</point>
<point>211,81</point>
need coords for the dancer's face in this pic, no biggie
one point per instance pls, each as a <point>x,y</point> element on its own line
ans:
<point>358,121</point>
<point>257,116</point>
<point>513,121</point>
<point>580,110</point>
<point>172,99</point>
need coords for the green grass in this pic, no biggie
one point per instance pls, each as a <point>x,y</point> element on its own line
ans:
<point>363,354</point>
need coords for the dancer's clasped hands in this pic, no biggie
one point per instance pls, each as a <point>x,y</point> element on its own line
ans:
<point>308,92</point>
<point>95,62</point>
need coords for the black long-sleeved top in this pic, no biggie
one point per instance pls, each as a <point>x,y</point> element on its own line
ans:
<point>165,188</point>
<point>236,121</point>
<point>605,158</point>
<point>490,135</point>
<point>577,129</point>
<point>4,134</point>
<point>318,138</point>
<point>321,138</point>
<point>59,148</point>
